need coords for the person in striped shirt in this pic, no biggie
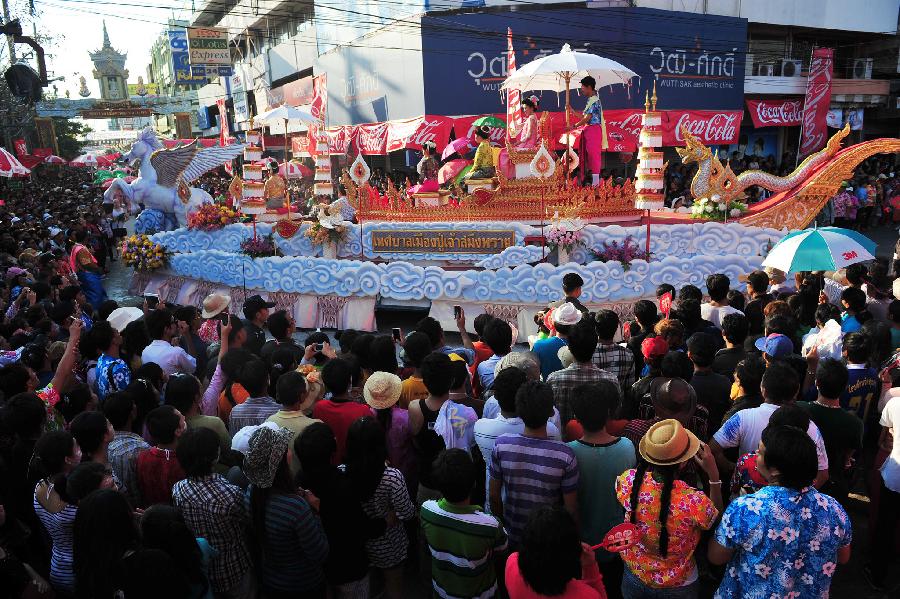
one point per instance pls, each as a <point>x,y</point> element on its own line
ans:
<point>462,539</point>
<point>530,470</point>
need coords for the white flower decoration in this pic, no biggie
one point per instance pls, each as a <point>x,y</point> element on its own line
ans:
<point>734,212</point>
<point>716,197</point>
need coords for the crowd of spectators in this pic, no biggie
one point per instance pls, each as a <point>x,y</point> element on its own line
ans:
<point>710,450</point>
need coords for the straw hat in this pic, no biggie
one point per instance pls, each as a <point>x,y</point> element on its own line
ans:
<point>775,276</point>
<point>667,443</point>
<point>266,450</point>
<point>215,303</point>
<point>382,390</point>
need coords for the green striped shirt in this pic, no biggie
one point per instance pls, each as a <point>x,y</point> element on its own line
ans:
<point>462,541</point>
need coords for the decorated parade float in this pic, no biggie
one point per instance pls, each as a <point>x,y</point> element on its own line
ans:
<point>499,245</point>
<point>502,250</point>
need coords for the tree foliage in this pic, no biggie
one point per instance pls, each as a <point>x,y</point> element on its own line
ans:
<point>67,133</point>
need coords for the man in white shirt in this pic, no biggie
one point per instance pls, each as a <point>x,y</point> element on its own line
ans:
<point>487,430</point>
<point>744,429</point>
<point>717,308</point>
<point>164,349</point>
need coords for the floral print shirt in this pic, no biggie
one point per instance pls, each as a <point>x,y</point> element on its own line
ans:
<point>785,542</point>
<point>746,476</point>
<point>690,513</point>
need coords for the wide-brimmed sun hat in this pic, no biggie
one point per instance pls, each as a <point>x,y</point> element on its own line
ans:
<point>265,451</point>
<point>667,443</point>
<point>214,304</point>
<point>382,390</point>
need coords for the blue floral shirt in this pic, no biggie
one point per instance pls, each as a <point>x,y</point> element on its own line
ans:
<point>594,109</point>
<point>113,370</point>
<point>785,543</point>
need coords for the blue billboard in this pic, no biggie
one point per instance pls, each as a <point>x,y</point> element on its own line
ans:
<point>181,64</point>
<point>697,61</point>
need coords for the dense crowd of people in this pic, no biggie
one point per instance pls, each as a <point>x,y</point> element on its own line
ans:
<point>182,451</point>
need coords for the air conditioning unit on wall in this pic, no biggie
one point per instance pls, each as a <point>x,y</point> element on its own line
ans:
<point>790,67</point>
<point>862,68</point>
<point>765,70</point>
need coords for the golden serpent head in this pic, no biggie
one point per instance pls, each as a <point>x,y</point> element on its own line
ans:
<point>693,150</point>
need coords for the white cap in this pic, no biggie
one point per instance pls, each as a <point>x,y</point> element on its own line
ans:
<point>122,317</point>
<point>566,314</point>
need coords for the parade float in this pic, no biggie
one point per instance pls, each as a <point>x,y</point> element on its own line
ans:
<point>502,250</point>
<point>499,245</point>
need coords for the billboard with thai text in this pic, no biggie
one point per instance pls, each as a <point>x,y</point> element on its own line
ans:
<point>696,61</point>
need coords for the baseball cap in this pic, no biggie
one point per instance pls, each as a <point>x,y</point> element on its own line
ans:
<point>775,345</point>
<point>654,347</point>
<point>758,279</point>
<point>254,304</point>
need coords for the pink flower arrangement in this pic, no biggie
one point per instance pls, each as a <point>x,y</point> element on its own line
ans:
<point>559,237</point>
<point>623,252</point>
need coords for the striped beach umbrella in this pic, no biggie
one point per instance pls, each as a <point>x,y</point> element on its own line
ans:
<point>825,248</point>
<point>10,166</point>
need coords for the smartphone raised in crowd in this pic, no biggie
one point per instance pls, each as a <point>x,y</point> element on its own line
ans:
<point>152,300</point>
<point>397,334</point>
<point>457,312</point>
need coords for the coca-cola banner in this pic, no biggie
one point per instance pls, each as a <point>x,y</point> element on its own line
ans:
<point>818,96</point>
<point>371,139</point>
<point>776,113</point>
<point>463,127</point>
<point>412,133</point>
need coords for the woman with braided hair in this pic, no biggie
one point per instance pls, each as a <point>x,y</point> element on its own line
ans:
<point>669,514</point>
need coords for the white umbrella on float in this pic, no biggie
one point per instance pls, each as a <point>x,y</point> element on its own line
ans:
<point>564,71</point>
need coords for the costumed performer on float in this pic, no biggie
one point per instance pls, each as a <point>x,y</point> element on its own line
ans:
<point>483,165</point>
<point>528,137</point>
<point>592,135</point>
<point>84,265</point>
<point>428,169</point>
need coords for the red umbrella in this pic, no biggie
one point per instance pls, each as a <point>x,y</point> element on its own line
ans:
<point>460,145</point>
<point>54,159</point>
<point>85,160</point>
<point>10,167</point>
<point>449,171</point>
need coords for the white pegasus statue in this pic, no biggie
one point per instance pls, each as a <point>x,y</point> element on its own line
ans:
<point>162,183</point>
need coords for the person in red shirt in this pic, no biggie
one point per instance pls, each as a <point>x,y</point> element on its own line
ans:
<point>157,468</point>
<point>482,350</point>
<point>339,411</point>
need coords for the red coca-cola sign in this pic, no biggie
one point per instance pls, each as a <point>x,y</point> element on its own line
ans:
<point>412,133</point>
<point>711,127</point>
<point>371,138</point>
<point>776,113</point>
<point>464,127</point>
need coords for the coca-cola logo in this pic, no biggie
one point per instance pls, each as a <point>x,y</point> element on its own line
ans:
<point>372,137</point>
<point>719,128</point>
<point>415,133</point>
<point>786,113</point>
<point>497,134</point>
<point>631,123</point>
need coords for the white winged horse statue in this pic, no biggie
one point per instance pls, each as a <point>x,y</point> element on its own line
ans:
<point>162,184</point>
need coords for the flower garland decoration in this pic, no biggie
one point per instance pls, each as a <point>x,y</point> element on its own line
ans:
<point>258,247</point>
<point>623,252</point>
<point>716,208</point>
<point>139,252</point>
<point>330,227</point>
<point>211,217</point>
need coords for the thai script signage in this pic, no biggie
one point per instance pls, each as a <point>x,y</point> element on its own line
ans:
<point>458,241</point>
<point>699,68</point>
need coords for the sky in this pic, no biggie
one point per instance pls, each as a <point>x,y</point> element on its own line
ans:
<point>133,26</point>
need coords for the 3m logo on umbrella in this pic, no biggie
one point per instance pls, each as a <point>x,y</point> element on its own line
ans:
<point>849,255</point>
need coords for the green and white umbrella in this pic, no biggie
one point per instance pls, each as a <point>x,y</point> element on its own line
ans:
<point>826,248</point>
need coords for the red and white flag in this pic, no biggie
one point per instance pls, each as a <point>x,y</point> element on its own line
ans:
<point>818,97</point>
<point>514,114</point>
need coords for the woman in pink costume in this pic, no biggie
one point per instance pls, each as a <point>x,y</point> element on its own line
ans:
<point>527,139</point>
<point>428,169</point>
